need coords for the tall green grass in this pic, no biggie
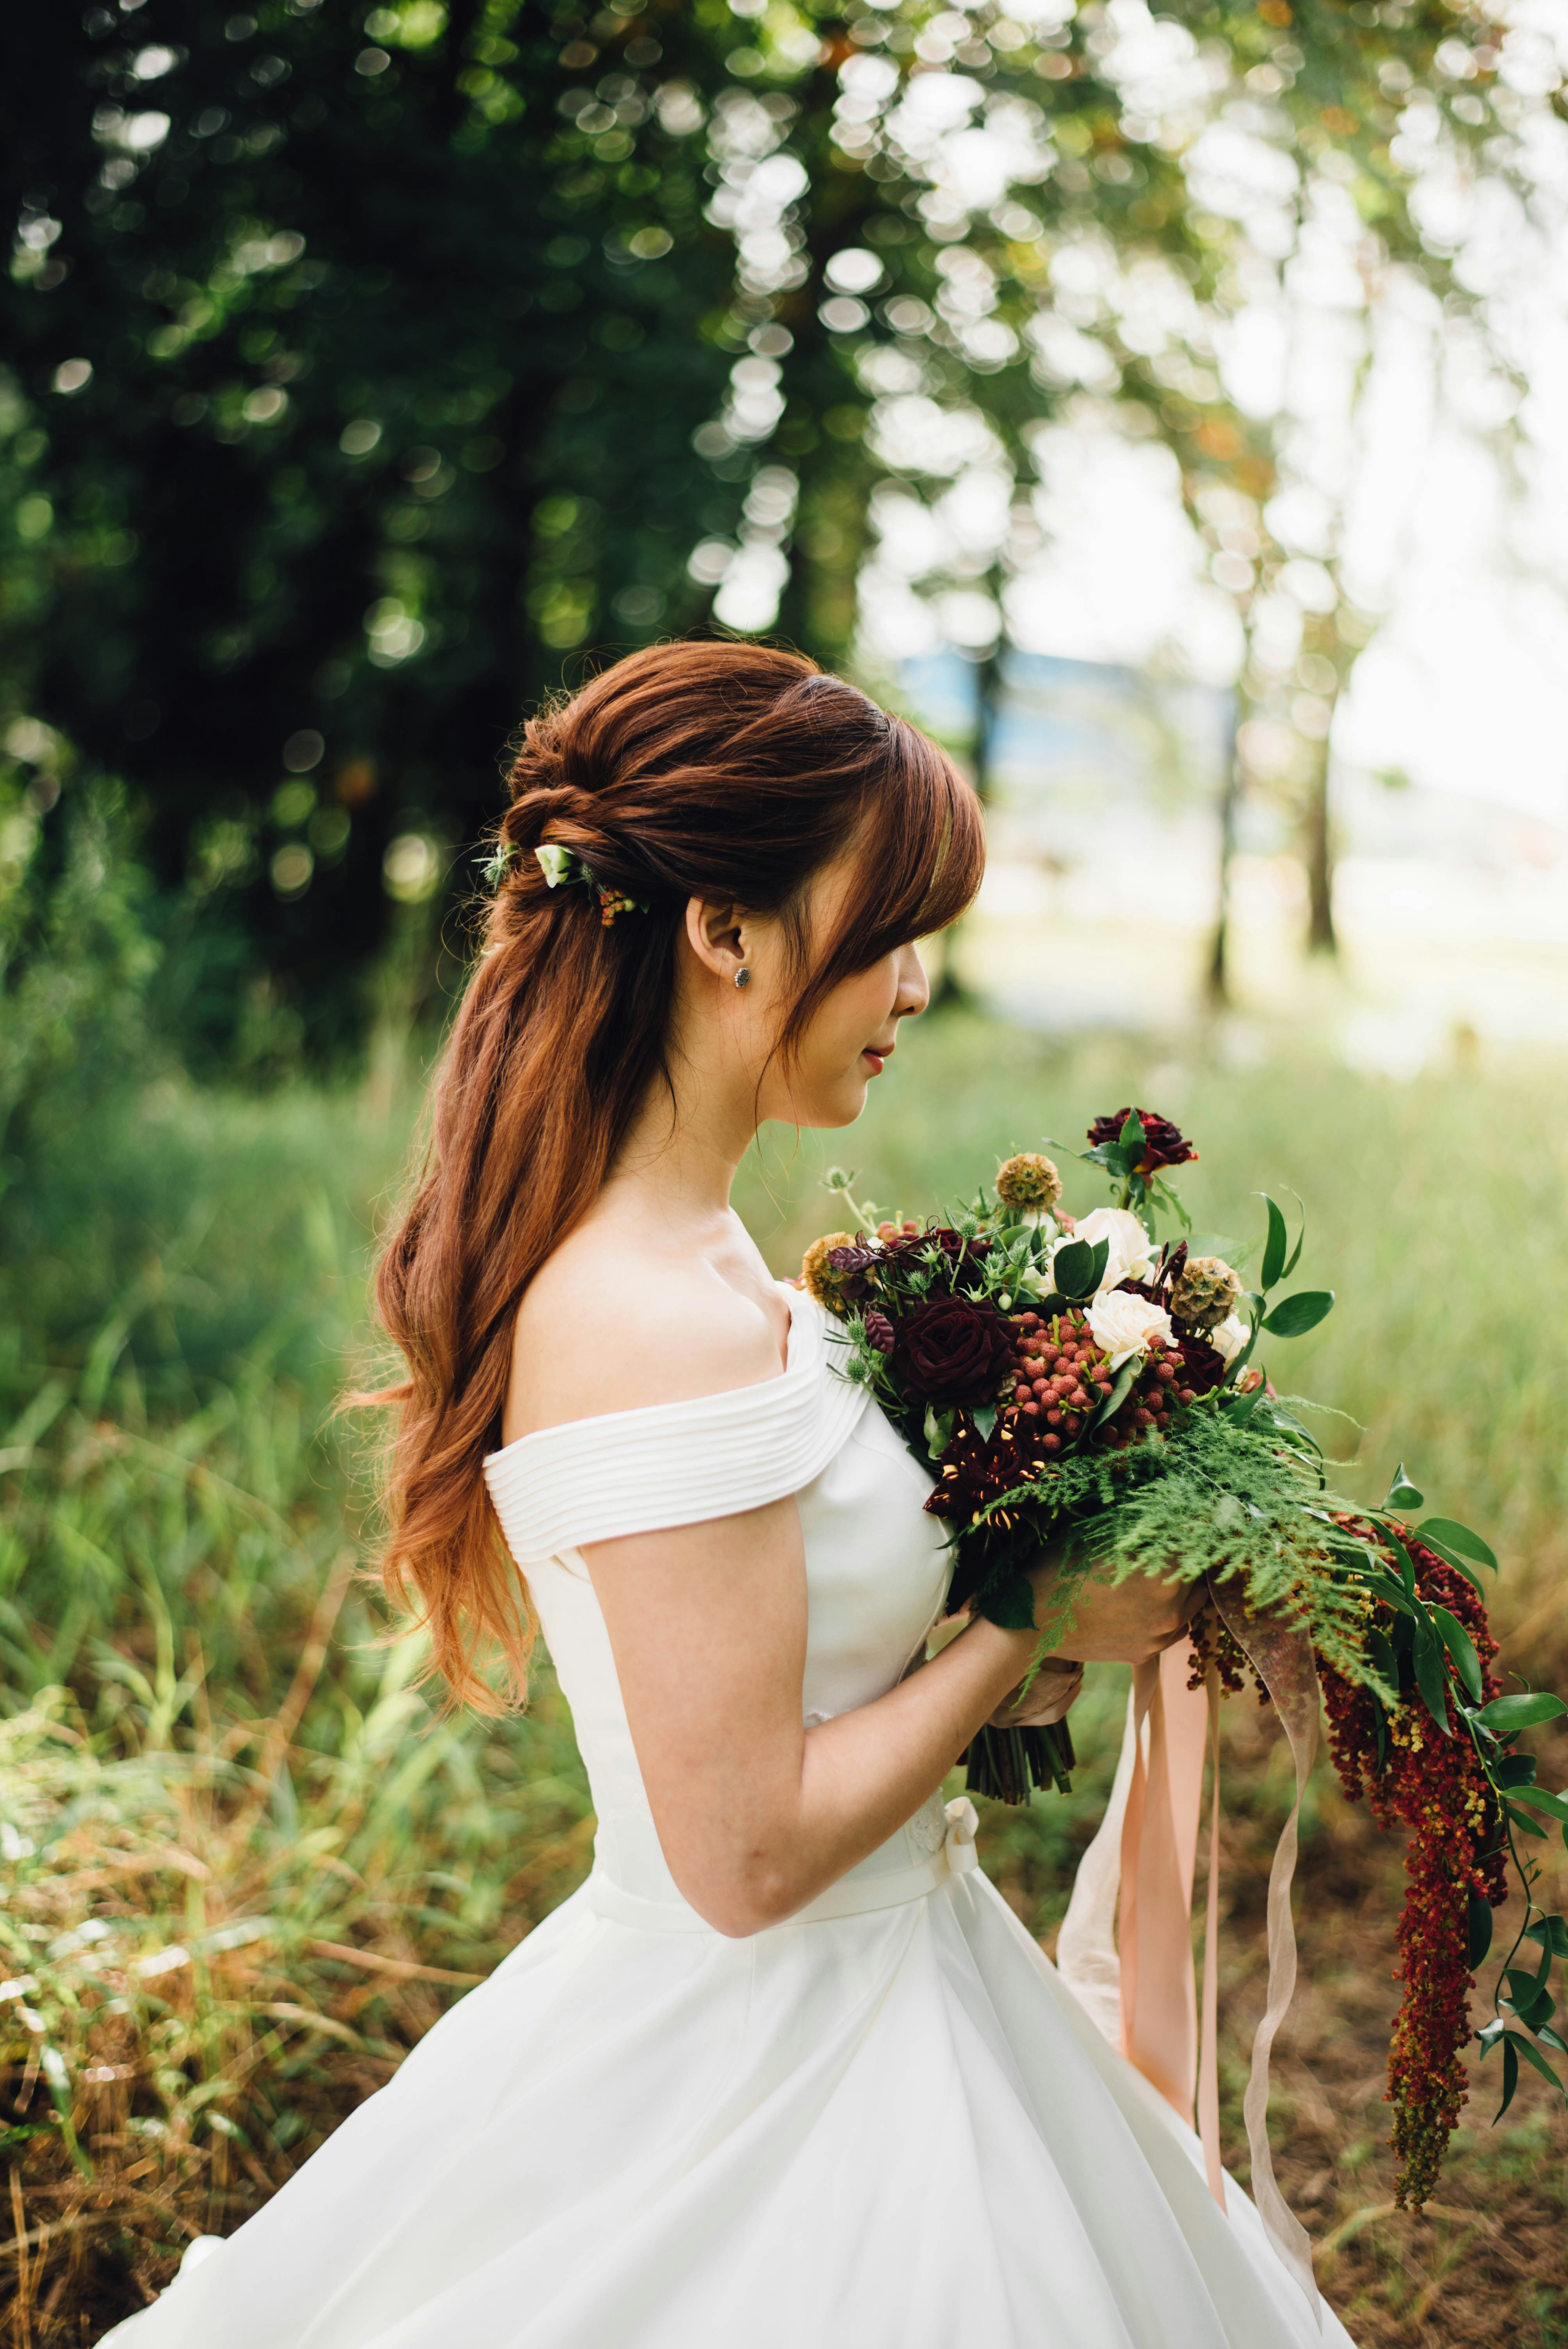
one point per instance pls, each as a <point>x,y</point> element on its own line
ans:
<point>243,1862</point>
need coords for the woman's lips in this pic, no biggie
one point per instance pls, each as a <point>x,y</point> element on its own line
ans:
<point>876,1054</point>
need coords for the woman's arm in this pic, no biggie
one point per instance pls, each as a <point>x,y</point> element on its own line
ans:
<point>757,1814</point>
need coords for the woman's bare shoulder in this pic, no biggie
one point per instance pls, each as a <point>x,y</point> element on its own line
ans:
<point>606,1327</point>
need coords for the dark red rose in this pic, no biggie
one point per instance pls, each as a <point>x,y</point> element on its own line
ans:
<point>1164,1144</point>
<point>880,1332</point>
<point>952,1350</point>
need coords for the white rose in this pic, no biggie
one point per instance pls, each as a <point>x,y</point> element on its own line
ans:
<point>1124,1324</point>
<point>1230,1337</point>
<point>1131,1252</point>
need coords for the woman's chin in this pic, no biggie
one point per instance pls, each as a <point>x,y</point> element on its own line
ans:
<point>840,1106</point>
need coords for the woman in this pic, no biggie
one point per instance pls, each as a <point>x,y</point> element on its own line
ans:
<point>786,2070</point>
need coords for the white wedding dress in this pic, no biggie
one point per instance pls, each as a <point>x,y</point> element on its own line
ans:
<point>884,2124</point>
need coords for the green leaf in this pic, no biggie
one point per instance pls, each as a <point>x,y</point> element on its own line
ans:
<point>1430,1677</point>
<point>1533,2002</point>
<point>1393,1594</point>
<point>1010,1604</point>
<point>1551,1932</point>
<point>984,1418</point>
<point>1214,1244</point>
<point>1449,1531</point>
<point>1514,1770</point>
<point>1478,1930</point>
<point>1522,1820</point>
<point>1130,1138</point>
<point>1552,2038</point>
<point>1274,1246</point>
<point>1298,1314</point>
<point>1555,1805</point>
<point>1510,2074</point>
<point>1532,2056</point>
<point>1402,1494</point>
<point>1505,1716</point>
<point>1076,1269</point>
<point>1451,1558</point>
<point>1466,1664</point>
<point>1120,1387</point>
<point>1294,1256</point>
<point>938,1431</point>
<point>1403,1559</point>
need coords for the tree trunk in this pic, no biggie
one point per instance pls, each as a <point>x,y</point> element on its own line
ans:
<point>1318,856</point>
<point>989,683</point>
<point>1219,975</point>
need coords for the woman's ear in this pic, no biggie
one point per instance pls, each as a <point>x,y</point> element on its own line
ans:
<point>716,936</point>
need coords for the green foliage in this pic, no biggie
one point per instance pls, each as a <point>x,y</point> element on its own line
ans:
<point>75,952</point>
<point>367,375</point>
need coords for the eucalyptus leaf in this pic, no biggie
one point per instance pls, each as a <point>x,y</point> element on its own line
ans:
<point>1505,1716</point>
<point>1294,1256</point>
<point>1402,1494</point>
<point>1466,1664</point>
<point>1448,1532</point>
<point>1523,1821</point>
<point>1531,2003</point>
<point>1294,1315</point>
<point>1551,1932</point>
<point>1532,2056</point>
<point>1072,1268</point>
<point>1449,1558</point>
<point>1538,1799</point>
<point>1120,1387</point>
<point>1478,1929</point>
<point>1510,2074</point>
<point>1430,1677</point>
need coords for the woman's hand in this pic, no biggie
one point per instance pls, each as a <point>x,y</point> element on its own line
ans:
<point>1054,1688</point>
<point>1126,1622</point>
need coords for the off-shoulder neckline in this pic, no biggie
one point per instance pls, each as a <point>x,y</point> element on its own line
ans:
<point>798,1358</point>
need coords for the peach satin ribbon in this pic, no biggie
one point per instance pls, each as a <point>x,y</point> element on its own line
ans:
<point>1151,1829</point>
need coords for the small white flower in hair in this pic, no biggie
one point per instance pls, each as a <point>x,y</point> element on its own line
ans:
<point>556,863</point>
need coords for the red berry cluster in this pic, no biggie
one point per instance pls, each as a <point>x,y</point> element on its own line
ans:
<point>1436,1786</point>
<point>1061,1377</point>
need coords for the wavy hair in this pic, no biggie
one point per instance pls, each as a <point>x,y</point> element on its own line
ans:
<point>727,772</point>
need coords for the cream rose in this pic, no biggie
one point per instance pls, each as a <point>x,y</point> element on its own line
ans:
<point>1230,1337</point>
<point>1131,1253</point>
<point>1124,1324</point>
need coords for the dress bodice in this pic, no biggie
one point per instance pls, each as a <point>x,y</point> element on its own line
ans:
<point>876,1566</point>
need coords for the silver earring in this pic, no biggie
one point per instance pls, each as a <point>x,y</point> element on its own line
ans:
<point>743,977</point>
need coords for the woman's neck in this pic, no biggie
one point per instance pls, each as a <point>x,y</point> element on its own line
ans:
<point>684,1147</point>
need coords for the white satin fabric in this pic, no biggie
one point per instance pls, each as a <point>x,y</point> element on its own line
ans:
<point>884,2124</point>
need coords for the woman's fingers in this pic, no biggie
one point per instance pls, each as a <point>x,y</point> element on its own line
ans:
<point>1054,1690</point>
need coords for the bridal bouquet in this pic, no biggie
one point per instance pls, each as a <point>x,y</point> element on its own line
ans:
<point>1085,1384</point>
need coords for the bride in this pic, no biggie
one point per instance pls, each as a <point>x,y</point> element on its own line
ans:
<point>787,2072</point>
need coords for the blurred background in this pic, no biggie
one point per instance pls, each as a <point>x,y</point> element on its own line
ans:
<point>1169,410</point>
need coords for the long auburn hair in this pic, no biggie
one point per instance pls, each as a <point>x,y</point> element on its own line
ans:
<point>729,771</point>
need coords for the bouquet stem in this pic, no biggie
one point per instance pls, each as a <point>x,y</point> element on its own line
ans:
<point>1005,1764</point>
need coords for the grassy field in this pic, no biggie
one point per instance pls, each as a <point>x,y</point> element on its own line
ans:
<point>243,1866</point>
